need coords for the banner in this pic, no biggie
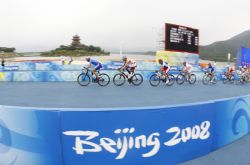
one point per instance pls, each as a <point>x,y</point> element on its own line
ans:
<point>177,58</point>
<point>138,137</point>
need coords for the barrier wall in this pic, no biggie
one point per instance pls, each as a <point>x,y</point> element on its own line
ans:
<point>54,71</point>
<point>29,137</point>
<point>135,136</point>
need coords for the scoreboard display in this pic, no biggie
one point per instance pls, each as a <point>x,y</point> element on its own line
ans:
<point>181,39</point>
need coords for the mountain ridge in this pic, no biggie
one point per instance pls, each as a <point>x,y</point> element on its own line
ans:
<point>218,50</point>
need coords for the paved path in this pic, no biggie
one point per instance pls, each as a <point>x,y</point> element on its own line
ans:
<point>71,95</point>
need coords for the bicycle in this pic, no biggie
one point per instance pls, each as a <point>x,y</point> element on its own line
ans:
<point>158,77</point>
<point>184,77</point>
<point>242,79</point>
<point>85,78</point>
<point>120,78</point>
<point>209,78</point>
<point>227,79</point>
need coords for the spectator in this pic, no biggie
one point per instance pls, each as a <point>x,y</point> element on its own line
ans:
<point>70,59</point>
<point>62,59</point>
<point>3,62</point>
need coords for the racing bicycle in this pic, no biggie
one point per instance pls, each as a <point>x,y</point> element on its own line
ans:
<point>242,79</point>
<point>184,77</point>
<point>227,79</point>
<point>120,78</point>
<point>86,77</point>
<point>158,77</point>
<point>209,78</point>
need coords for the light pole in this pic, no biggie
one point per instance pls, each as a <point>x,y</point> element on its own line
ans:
<point>120,49</point>
<point>228,58</point>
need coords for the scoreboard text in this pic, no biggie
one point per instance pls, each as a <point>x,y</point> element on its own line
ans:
<point>181,39</point>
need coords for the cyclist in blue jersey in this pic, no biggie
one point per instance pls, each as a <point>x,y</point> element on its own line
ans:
<point>211,71</point>
<point>97,66</point>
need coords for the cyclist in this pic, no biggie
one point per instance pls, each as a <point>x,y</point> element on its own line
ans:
<point>246,73</point>
<point>97,66</point>
<point>187,69</point>
<point>165,68</point>
<point>242,71</point>
<point>129,65</point>
<point>230,71</point>
<point>211,71</point>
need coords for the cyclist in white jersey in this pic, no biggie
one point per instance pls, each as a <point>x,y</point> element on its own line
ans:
<point>129,65</point>
<point>187,69</point>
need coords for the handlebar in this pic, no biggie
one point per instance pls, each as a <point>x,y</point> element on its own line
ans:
<point>85,68</point>
<point>120,70</point>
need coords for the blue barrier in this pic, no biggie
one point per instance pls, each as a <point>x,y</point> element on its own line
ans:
<point>54,71</point>
<point>156,135</point>
<point>66,76</point>
<point>29,136</point>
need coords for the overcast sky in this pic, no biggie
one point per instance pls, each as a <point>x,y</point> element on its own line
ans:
<point>38,25</point>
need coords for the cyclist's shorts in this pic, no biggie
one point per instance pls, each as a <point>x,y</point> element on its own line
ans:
<point>98,67</point>
<point>189,70</point>
<point>166,69</point>
<point>212,70</point>
<point>132,69</point>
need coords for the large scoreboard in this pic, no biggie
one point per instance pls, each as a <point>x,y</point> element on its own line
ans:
<point>181,38</point>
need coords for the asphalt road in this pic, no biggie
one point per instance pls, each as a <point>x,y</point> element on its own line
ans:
<point>71,95</point>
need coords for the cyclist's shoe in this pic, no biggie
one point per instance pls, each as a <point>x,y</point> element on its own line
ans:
<point>166,80</point>
<point>130,80</point>
<point>95,81</point>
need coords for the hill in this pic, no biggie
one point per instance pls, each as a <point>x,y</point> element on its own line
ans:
<point>218,51</point>
<point>76,49</point>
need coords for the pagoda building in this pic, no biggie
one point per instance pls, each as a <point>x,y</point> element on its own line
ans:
<point>76,41</point>
<point>76,44</point>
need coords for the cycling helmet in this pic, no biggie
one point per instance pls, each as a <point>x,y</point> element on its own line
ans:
<point>124,58</point>
<point>88,59</point>
<point>160,61</point>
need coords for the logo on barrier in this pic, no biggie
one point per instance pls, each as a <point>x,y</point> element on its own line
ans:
<point>85,141</point>
<point>7,155</point>
<point>11,68</point>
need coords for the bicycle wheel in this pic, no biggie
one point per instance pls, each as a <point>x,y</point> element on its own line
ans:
<point>137,79</point>
<point>224,79</point>
<point>214,81</point>
<point>180,79</point>
<point>239,81</point>
<point>104,79</point>
<point>232,79</point>
<point>154,80</point>
<point>245,80</point>
<point>192,79</point>
<point>119,79</point>
<point>205,79</point>
<point>171,80</point>
<point>83,79</point>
